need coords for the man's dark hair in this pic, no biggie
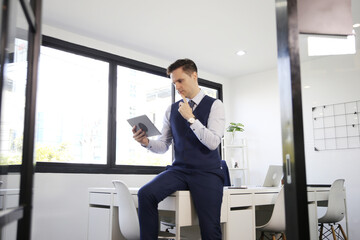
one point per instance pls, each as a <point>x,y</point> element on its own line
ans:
<point>188,66</point>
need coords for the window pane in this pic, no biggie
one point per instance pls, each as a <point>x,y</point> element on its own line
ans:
<point>212,92</point>
<point>140,93</point>
<point>72,108</point>
<point>13,104</point>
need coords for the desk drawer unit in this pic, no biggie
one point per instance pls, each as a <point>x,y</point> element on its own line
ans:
<point>240,225</point>
<point>311,197</point>
<point>99,223</point>
<point>96,198</point>
<point>265,198</point>
<point>240,200</point>
<point>12,201</point>
<point>322,196</point>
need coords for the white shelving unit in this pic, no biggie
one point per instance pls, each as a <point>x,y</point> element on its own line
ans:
<point>236,156</point>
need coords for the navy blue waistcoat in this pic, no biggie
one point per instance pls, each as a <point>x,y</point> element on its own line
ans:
<point>189,151</point>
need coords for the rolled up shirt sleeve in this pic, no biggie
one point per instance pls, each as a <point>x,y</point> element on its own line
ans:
<point>211,135</point>
<point>162,143</point>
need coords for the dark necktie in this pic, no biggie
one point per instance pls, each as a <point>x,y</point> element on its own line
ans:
<point>191,104</point>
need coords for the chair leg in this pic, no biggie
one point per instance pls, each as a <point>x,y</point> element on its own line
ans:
<point>321,231</point>
<point>343,232</point>
<point>283,236</point>
<point>333,232</point>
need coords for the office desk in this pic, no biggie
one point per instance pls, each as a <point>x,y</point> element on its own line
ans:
<point>240,200</point>
<point>237,212</point>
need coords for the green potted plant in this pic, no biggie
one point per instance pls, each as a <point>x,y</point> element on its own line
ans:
<point>235,127</point>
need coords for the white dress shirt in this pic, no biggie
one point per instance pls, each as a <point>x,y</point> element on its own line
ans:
<point>210,136</point>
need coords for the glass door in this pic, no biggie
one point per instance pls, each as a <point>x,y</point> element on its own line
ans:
<point>18,62</point>
<point>319,88</point>
<point>330,86</point>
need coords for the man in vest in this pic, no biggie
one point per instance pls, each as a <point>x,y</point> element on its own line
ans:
<point>195,125</point>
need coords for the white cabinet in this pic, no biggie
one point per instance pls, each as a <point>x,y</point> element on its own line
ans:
<point>99,223</point>
<point>241,223</point>
<point>103,220</point>
<point>235,154</point>
<point>9,200</point>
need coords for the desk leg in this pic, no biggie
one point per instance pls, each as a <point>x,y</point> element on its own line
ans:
<point>185,214</point>
<point>177,217</point>
<point>313,221</point>
<point>346,217</point>
<point>177,237</point>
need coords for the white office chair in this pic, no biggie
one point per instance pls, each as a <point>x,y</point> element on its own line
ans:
<point>334,213</point>
<point>128,216</point>
<point>277,224</point>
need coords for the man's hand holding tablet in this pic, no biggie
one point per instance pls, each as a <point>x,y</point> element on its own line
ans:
<point>142,129</point>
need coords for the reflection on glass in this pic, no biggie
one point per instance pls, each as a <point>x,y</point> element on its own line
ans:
<point>140,93</point>
<point>72,108</point>
<point>14,83</point>
<point>322,46</point>
<point>331,106</point>
<point>12,112</point>
<point>13,104</point>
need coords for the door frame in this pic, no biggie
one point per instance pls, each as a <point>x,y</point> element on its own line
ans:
<point>296,203</point>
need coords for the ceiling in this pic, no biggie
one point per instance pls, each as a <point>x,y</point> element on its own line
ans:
<point>208,31</point>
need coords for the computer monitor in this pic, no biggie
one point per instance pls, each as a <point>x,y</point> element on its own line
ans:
<point>273,176</point>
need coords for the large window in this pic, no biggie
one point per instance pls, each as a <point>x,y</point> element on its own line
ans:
<point>140,93</point>
<point>72,108</point>
<point>84,99</point>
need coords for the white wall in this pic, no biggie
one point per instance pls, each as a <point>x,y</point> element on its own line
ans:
<point>334,79</point>
<point>61,200</point>
<point>256,104</point>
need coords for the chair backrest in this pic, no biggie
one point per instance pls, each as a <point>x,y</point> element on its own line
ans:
<point>226,173</point>
<point>336,203</point>
<point>277,222</point>
<point>128,217</point>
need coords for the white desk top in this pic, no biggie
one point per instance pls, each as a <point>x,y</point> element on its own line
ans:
<point>256,190</point>
<point>134,190</point>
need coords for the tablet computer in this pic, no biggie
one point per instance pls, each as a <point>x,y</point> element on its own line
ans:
<point>144,123</point>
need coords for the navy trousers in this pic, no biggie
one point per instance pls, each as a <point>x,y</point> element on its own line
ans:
<point>206,188</point>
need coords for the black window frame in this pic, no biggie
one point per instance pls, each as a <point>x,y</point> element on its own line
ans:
<point>114,60</point>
